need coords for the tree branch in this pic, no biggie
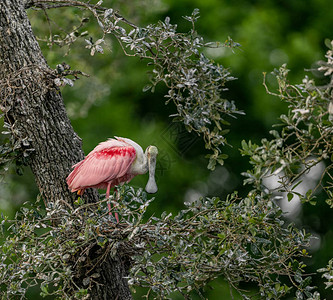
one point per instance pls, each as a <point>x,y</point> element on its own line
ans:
<point>49,4</point>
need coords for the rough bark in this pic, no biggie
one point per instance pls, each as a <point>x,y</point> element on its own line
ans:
<point>34,107</point>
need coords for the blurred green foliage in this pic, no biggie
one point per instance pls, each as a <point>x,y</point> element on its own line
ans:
<point>111,102</point>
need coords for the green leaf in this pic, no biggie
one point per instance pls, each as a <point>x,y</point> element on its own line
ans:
<point>298,277</point>
<point>245,146</point>
<point>147,87</point>
<point>297,183</point>
<point>211,164</point>
<point>290,196</point>
<point>44,290</point>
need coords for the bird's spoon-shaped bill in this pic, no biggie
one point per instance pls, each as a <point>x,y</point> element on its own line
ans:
<point>151,186</point>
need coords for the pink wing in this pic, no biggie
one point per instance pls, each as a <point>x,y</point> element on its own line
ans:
<point>108,162</point>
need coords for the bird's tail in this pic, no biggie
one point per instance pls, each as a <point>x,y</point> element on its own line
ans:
<point>71,178</point>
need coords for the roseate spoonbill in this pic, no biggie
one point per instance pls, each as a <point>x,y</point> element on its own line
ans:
<point>111,163</point>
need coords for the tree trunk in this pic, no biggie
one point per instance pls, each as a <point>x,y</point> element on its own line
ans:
<point>35,110</point>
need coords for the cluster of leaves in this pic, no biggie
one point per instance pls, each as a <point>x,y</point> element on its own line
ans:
<point>304,140</point>
<point>328,274</point>
<point>195,83</point>
<point>13,149</point>
<point>51,247</point>
<point>243,240</point>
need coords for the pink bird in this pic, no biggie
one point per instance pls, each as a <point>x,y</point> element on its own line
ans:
<point>112,163</point>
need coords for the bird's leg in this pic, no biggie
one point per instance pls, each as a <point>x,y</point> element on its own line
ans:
<point>108,196</point>
<point>116,214</point>
<point>109,205</point>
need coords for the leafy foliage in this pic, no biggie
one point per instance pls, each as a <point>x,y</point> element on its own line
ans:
<point>304,140</point>
<point>50,247</point>
<point>235,238</point>
<point>196,84</point>
<point>328,274</point>
<point>13,149</point>
<point>244,240</point>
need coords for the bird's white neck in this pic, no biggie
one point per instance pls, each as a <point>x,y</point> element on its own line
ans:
<point>140,164</point>
<point>144,162</point>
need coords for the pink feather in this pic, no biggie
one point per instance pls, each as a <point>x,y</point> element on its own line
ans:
<point>108,163</point>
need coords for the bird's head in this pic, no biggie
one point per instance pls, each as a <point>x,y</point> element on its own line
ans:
<point>151,153</point>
